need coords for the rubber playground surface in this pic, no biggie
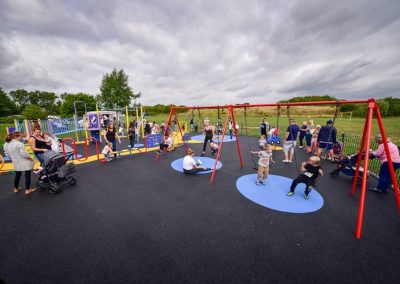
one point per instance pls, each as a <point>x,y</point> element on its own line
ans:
<point>137,220</point>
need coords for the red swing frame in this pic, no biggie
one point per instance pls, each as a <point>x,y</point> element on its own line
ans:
<point>372,108</point>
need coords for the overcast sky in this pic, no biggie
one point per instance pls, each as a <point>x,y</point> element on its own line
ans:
<point>204,52</point>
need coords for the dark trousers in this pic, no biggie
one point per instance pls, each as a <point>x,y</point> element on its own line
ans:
<point>384,176</point>
<point>132,140</point>
<point>308,139</point>
<point>163,145</point>
<point>18,178</point>
<point>302,179</point>
<point>206,139</point>
<point>194,171</point>
<point>114,143</point>
<point>230,133</point>
<point>301,137</point>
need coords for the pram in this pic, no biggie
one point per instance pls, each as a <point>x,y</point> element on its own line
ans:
<point>56,172</point>
<point>348,166</point>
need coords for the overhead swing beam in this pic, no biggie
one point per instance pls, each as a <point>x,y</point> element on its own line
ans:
<point>373,108</point>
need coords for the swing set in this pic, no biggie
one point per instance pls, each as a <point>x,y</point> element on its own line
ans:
<point>372,108</point>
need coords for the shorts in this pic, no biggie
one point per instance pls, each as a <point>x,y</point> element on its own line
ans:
<point>326,145</point>
<point>289,145</point>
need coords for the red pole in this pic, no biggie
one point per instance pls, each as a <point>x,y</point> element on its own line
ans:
<point>355,178</point>
<point>221,142</point>
<point>371,106</point>
<point>389,157</point>
<point>237,136</point>
<point>181,132</point>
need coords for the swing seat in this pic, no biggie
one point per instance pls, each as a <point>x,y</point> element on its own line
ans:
<point>274,140</point>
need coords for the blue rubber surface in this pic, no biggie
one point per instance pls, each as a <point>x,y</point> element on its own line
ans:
<point>226,138</point>
<point>136,145</point>
<point>206,162</point>
<point>273,194</point>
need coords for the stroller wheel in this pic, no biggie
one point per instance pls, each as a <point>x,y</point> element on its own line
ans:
<point>54,190</point>
<point>71,180</point>
<point>40,186</point>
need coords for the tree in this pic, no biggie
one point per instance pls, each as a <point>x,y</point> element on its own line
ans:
<point>383,106</point>
<point>20,97</point>
<point>394,106</point>
<point>34,112</point>
<point>7,106</point>
<point>115,91</point>
<point>67,107</point>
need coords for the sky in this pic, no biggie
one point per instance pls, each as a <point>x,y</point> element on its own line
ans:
<point>204,52</point>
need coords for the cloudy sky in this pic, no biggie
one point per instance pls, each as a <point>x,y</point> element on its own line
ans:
<point>204,52</point>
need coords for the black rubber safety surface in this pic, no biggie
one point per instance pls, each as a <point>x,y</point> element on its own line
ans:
<point>136,220</point>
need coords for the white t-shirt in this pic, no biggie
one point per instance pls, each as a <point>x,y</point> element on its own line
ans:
<point>106,150</point>
<point>262,142</point>
<point>188,163</point>
<point>264,158</point>
<point>169,141</point>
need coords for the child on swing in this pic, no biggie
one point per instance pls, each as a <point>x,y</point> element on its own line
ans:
<point>311,171</point>
<point>264,161</point>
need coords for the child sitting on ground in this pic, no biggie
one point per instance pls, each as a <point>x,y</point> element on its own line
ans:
<point>262,142</point>
<point>264,161</point>
<point>107,152</point>
<point>168,143</point>
<point>311,170</point>
<point>214,148</point>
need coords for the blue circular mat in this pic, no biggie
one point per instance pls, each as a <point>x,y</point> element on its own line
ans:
<point>206,162</point>
<point>273,194</point>
<point>226,138</point>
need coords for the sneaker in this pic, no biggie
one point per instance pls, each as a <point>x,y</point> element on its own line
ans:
<point>262,182</point>
<point>290,193</point>
<point>203,154</point>
<point>285,161</point>
<point>289,161</point>
<point>257,182</point>
<point>300,147</point>
<point>374,189</point>
<point>306,196</point>
<point>159,151</point>
<point>199,161</point>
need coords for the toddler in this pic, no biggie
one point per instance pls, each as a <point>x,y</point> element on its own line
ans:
<point>107,152</point>
<point>264,161</point>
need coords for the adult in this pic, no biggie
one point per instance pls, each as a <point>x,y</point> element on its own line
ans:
<point>38,144</point>
<point>190,166</point>
<point>309,133</point>
<point>110,136</point>
<point>230,127</point>
<point>147,128</point>
<point>208,135</point>
<point>289,141</point>
<point>22,162</point>
<point>132,133</point>
<point>326,139</point>
<point>384,174</point>
<point>264,127</point>
<point>191,123</point>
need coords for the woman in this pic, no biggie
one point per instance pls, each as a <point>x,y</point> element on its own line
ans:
<point>109,137</point>
<point>190,166</point>
<point>209,133</point>
<point>22,161</point>
<point>385,179</point>
<point>38,144</point>
<point>131,133</point>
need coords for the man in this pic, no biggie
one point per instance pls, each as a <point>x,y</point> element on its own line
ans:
<point>326,139</point>
<point>384,173</point>
<point>264,127</point>
<point>289,141</point>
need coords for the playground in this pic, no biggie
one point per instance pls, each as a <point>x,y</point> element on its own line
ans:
<point>139,219</point>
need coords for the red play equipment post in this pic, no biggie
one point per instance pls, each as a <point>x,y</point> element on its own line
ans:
<point>365,144</point>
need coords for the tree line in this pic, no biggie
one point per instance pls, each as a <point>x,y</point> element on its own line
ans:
<point>115,93</point>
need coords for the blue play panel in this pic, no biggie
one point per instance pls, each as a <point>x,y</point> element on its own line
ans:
<point>226,138</point>
<point>206,162</point>
<point>273,194</point>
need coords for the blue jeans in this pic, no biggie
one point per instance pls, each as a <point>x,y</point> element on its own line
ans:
<point>384,176</point>
<point>40,158</point>
<point>308,139</point>
<point>114,144</point>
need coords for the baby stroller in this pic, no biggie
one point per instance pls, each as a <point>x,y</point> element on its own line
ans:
<point>56,172</point>
<point>348,166</point>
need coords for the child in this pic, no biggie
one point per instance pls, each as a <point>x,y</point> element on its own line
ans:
<point>264,161</point>
<point>55,144</point>
<point>168,143</point>
<point>311,170</point>
<point>314,140</point>
<point>262,142</point>
<point>274,131</point>
<point>214,148</point>
<point>107,152</point>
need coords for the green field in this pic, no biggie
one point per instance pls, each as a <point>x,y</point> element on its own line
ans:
<point>354,126</point>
